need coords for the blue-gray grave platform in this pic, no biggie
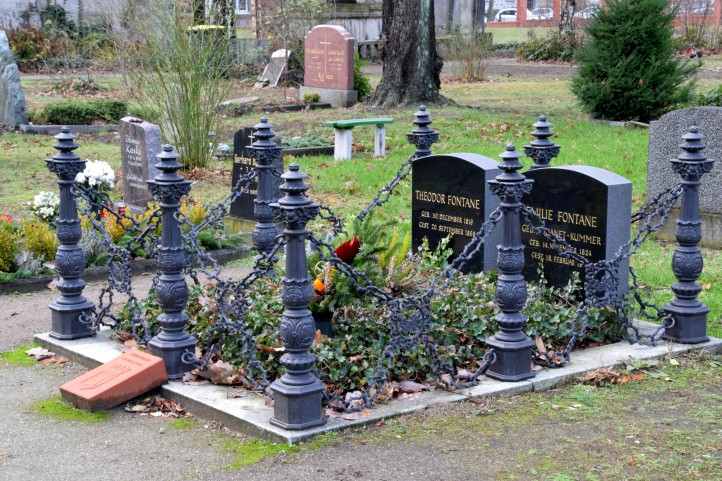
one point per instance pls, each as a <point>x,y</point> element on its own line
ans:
<point>250,413</point>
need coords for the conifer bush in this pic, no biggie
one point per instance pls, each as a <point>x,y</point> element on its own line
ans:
<point>628,65</point>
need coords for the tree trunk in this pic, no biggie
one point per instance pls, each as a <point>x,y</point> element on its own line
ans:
<point>412,66</point>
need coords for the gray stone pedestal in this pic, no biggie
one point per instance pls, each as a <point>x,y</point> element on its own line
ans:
<point>337,98</point>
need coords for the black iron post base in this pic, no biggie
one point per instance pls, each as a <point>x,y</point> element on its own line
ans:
<point>264,236</point>
<point>513,360</point>
<point>66,319</point>
<point>172,352</point>
<point>297,407</point>
<point>690,323</point>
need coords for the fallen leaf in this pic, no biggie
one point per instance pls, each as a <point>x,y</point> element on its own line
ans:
<point>412,387</point>
<point>39,353</point>
<point>54,360</point>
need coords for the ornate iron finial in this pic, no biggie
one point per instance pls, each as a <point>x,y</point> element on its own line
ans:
<point>423,136</point>
<point>173,343</point>
<point>512,347</point>
<point>69,310</point>
<point>541,150</point>
<point>269,158</point>
<point>687,312</point>
<point>297,394</point>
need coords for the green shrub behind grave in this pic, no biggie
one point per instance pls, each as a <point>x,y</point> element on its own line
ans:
<point>77,112</point>
<point>628,65</point>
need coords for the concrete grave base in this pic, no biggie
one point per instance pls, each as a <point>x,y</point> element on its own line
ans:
<point>711,229</point>
<point>248,412</point>
<point>337,98</point>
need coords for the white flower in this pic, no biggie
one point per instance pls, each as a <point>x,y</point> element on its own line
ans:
<point>97,174</point>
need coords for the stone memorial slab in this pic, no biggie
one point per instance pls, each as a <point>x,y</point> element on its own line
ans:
<point>589,207</point>
<point>274,70</point>
<point>665,135</point>
<point>140,143</point>
<point>328,65</point>
<point>132,374</point>
<point>450,197</point>
<point>12,99</point>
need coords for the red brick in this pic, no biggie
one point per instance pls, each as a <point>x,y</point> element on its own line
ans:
<point>131,375</point>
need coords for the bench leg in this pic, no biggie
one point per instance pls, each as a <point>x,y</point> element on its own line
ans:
<point>380,141</point>
<point>343,144</point>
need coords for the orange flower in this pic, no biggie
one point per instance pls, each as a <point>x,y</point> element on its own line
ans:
<point>6,218</point>
<point>319,287</point>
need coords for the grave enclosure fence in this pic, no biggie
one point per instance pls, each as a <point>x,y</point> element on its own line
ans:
<point>281,201</point>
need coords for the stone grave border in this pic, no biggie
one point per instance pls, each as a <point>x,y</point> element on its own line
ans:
<point>50,129</point>
<point>248,412</point>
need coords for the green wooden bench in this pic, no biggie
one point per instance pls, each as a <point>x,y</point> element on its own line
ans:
<point>343,144</point>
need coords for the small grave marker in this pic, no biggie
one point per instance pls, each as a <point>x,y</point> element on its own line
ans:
<point>274,70</point>
<point>132,374</point>
<point>589,207</point>
<point>140,143</point>
<point>450,197</point>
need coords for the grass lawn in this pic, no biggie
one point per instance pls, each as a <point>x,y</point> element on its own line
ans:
<point>495,113</point>
<point>516,34</point>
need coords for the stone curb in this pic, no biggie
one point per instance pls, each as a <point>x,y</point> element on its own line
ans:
<point>248,412</point>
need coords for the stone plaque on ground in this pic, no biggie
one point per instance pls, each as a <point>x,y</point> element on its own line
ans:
<point>665,136</point>
<point>242,207</point>
<point>274,70</point>
<point>450,197</point>
<point>12,98</point>
<point>589,207</point>
<point>139,145</point>
<point>120,380</point>
<point>328,65</point>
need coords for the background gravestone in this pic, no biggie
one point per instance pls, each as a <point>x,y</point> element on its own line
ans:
<point>590,207</point>
<point>244,162</point>
<point>450,196</point>
<point>140,143</point>
<point>665,136</point>
<point>274,70</point>
<point>328,65</point>
<point>12,98</point>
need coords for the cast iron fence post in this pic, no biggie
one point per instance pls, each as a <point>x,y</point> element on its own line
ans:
<point>172,343</point>
<point>423,136</point>
<point>541,150</point>
<point>268,156</point>
<point>70,308</point>
<point>297,394</point>
<point>513,348</point>
<point>689,314</point>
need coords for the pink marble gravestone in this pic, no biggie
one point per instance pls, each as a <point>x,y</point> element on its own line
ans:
<point>328,65</point>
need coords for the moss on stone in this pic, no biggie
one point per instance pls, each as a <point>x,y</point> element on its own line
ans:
<point>58,409</point>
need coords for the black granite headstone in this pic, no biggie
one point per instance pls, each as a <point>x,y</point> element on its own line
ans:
<point>242,139</point>
<point>589,207</point>
<point>242,207</point>
<point>450,197</point>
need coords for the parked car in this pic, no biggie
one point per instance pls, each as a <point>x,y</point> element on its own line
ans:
<point>541,13</point>
<point>506,15</point>
<point>509,15</point>
<point>587,13</point>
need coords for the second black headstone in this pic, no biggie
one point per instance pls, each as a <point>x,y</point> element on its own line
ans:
<point>450,197</point>
<point>590,208</point>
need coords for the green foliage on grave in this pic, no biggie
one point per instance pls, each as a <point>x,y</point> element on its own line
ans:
<point>80,112</point>
<point>628,66</point>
